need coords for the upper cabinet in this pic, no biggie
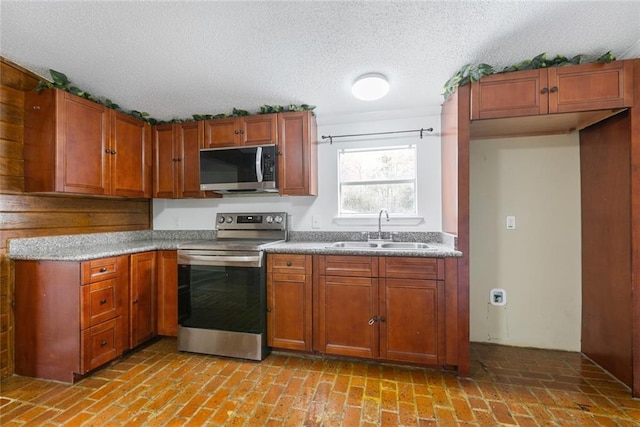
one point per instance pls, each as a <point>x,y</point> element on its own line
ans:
<point>247,130</point>
<point>298,154</point>
<point>587,87</point>
<point>176,153</point>
<point>73,145</point>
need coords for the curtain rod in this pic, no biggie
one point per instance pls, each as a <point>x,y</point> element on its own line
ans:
<point>331,137</point>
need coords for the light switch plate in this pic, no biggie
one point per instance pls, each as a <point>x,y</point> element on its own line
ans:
<point>511,222</point>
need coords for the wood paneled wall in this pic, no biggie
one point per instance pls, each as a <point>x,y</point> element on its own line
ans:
<point>29,215</point>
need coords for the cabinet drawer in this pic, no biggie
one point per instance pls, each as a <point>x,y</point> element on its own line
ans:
<point>101,344</point>
<point>99,302</point>
<point>100,269</point>
<point>289,264</point>
<point>339,265</point>
<point>412,268</point>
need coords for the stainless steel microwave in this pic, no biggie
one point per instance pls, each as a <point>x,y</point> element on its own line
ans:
<point>239,169</point>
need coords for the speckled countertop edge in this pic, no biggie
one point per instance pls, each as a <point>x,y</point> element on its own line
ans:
<point>85,247</point>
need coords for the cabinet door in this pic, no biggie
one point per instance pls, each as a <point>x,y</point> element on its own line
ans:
<point>130,154</point>
<point>412,320</point>
<point>347,309</point>
<point>190,138</point>
<point>591,87</point>
<point>221,133</point>
<point>297,150</point>
<point>164,163</point>
<point>142,298</point>
<point>168,293</point>
<point>82,158</point>
<point>521,93</point>
<point>259,129</point>
<point>289,302</point>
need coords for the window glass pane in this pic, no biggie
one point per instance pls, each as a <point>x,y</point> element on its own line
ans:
<point>373,179</point>
<point>385,164</point>
<point>369,199</point>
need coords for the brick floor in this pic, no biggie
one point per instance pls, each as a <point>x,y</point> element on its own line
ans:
<point>159,386</point>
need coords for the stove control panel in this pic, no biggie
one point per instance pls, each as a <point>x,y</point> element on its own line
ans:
<point>251,221</point>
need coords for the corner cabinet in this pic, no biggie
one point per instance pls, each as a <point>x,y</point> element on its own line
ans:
<point>176,160</point>
<point>71,317</point>
<point>289,302</point>
<point>553,90</point>
<point>298,154</point>
<point>73,145</point>
<point>257,129</point>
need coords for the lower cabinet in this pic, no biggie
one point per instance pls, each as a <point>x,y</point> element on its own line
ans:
<point>388,308</point>
<point>384,308</point>
<point>71,317</point>
<point>167,281</point>
<point>142,298</point>
<point>289,301</point>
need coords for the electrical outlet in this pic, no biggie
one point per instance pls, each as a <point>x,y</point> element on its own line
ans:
<point>315,221</point>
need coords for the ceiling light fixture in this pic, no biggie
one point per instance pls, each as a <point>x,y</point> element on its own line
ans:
<point>370,87</point>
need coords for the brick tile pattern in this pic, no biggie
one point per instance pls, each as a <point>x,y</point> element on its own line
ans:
<point>159,386</point>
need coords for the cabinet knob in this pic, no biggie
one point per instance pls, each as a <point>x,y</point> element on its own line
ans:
<point>544,90</point>
<point>135,301</point>
<point>113,152</point>
<point>554,89</point>
<point>107,151</point>
<point>288,263</point>
<point>268,309</point>
<point>372,320</point>
<point>241,131</point>
<point>103,343</point>
<point>103,301</point>
<point>103,269</point>
<point>36,107</point>
<point>235,132</point>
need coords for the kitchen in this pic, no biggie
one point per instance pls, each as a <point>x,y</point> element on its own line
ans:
<point>196,214</point>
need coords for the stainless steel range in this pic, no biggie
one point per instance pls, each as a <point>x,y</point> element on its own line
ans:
<point>222,286</point>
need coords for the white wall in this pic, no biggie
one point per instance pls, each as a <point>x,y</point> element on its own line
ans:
<point>199,214</point>
<point>538,263</point>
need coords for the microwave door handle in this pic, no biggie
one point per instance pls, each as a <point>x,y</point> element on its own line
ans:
<point>259,174</point>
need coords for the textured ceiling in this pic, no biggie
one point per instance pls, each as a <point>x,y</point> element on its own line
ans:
<point>173,59</point>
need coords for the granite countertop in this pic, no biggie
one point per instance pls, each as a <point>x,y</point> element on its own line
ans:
<point>102,245</point>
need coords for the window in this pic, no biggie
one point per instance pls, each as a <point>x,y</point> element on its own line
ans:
<point>373,179</point>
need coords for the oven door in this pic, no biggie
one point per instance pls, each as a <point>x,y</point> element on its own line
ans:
<point>222,297</point>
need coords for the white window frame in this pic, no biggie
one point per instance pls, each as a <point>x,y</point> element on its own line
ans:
<point>413,180</point>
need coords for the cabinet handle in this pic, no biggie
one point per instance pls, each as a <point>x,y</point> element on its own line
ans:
<point>103,301</point>
<point>103,269</point>
<point>103,343</point>
<point>36,107</point>
<point>544,90</point>
<point>554,89</point>
<point>372,320</point>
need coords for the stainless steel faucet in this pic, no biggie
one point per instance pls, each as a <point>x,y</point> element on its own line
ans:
<point>380,222</point>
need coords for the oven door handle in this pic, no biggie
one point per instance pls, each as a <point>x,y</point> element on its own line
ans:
<point>222,260</point>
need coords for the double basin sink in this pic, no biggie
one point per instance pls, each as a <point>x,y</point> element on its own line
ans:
<point>383,245</point>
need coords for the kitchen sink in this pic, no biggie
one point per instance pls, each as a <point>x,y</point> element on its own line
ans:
<point>354,245</point>
<point>403,245</point>
<point>382,245</point>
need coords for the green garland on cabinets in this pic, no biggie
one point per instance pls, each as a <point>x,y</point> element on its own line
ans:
<point>472,73</point>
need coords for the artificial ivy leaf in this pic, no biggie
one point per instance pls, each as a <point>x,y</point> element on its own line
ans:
<point>219,116</point>
<point>606,58</point>
<point>76,91</point>
<point>59,77</point>
<point>42,85</point>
